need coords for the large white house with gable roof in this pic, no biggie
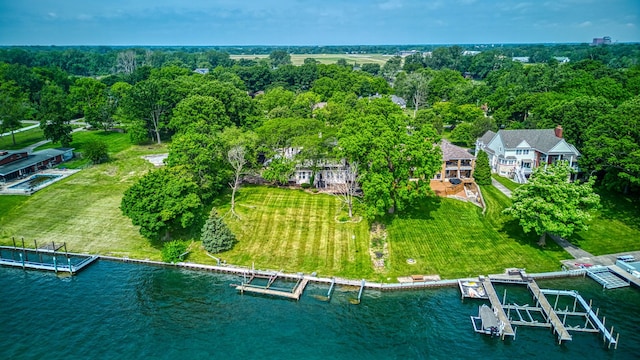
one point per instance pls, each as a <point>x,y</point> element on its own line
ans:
<point>515,153</point>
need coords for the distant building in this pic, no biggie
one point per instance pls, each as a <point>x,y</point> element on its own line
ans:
<point>561,59</point>
<point>202,71</point>
<point>605,40</point>
<point>405,53</point>
<point>522,59</point>
<point>470,53</point>
<point>399,101</point>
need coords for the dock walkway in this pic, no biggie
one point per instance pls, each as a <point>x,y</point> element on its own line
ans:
<point>507,329</point>
<point>624,274</point>
<point>549,312</point>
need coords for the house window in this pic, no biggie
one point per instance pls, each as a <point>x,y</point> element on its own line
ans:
<point>526,165</point>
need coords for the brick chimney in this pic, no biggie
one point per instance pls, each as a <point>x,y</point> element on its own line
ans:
<point>558,131</point>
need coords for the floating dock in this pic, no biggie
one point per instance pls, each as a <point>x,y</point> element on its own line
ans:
<point>607,277</point>
<point>46,259</point>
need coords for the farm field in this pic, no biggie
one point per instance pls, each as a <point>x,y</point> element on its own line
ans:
<point>298,59</point>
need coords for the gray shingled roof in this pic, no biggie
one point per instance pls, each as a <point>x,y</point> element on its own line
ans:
<point>487,137</point>
<point>452,152</point>
<point>540,139</point>
<point>32,159</point>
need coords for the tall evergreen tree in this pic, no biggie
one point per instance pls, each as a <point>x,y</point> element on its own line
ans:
<point>482,172</point>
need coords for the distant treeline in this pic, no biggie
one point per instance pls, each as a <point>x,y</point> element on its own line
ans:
<point>102,60</point>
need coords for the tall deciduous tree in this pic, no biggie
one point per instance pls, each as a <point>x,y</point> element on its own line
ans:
<point>14,104</point>
<point>54,115</point>
<point>550,204</point>
<point>151,101</point>
<point>415,88</point>
<point>396,165</point>
<point>279,58</point>
<point>613,146</point>
<point>162,201</point>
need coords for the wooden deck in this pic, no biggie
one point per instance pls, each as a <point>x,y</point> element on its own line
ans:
<point>549,312</point>
<point>497,306</point>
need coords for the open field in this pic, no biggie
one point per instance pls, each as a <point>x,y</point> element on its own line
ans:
<point>298,59</point>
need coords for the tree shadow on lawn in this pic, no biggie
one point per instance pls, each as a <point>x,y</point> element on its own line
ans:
<point>422,211</point>
<point>512,229</point>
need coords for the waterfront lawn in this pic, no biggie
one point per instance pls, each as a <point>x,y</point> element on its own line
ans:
<point>83,210</point>
<point>508,183</point>
<point>453,239</point>
<point>614,227</point>
<point>295,231</point>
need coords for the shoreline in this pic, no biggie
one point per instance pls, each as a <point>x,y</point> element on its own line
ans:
<point>237,270</point>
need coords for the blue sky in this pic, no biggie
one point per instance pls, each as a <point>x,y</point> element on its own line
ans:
<point>307,22</point>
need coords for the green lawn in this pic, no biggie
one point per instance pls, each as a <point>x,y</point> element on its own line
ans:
<point>296,231</point>
<point>23,139</point>
<point>614,228</point>
<point>83,210</point>
<point>511,185</point>
<point>453,239</point>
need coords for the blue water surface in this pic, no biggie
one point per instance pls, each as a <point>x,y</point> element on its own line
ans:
<point>116,310</point>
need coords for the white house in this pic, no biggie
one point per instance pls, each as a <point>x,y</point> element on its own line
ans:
<point>515,153</point>
<point>327,173</point>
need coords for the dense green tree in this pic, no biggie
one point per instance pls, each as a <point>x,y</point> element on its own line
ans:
<point>162,201</point>
<point>482,171</point>
<point>551,204</point>
<point>414,88</point>
<point>53,112</point>
<point>391,68</point>
<point>150,103</point>
<point>279,58</point>
<point>14,106</point>
<point>199,113</point>
<point>202,155</point>
<point>395,164</point>
<point>279,170</point>
<point>613,146</point>
<point>96,150</point>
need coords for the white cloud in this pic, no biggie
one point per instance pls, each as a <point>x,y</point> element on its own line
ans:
<point>585,24</point>
<point>390,5</point>
<point>52,15</point>
<point>630,25</point>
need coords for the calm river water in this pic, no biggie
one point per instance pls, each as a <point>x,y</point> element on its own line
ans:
<point>117,310</point>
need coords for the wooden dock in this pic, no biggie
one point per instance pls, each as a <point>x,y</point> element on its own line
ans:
<point>548,311</point>
<point>507,329</point>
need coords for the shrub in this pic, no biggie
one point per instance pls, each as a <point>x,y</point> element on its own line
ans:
<point>216,235</point>
<point>96,151</point>
<point>305,185</point>
<point>172,250</point>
